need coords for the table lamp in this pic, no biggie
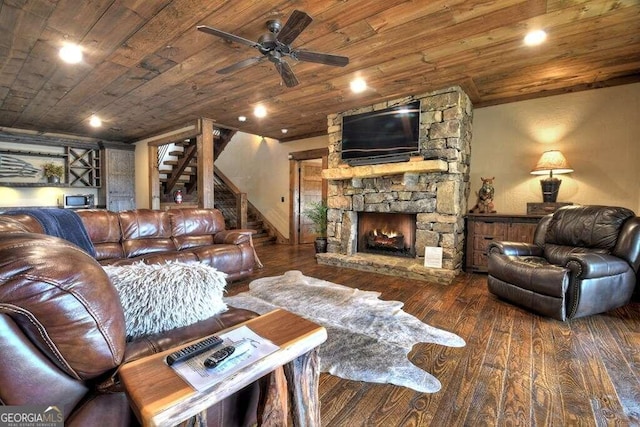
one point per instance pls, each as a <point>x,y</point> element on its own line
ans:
<point>551,162</point>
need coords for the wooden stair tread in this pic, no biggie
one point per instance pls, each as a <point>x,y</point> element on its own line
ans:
<point>264,241</point>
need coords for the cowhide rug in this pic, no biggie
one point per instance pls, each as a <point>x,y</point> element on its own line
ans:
<point>368,338</point>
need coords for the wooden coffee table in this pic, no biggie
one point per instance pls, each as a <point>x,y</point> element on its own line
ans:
<point>159,397</point>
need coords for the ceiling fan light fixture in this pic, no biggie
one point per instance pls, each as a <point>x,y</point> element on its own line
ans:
<point>358,85</point>
<point>535,38</point>
<point>71,53</point>
<point>260,111</point>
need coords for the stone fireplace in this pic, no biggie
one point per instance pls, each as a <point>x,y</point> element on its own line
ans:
<point>430,191</point>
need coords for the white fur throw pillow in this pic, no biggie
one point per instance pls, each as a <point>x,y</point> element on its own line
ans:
<point>160,297</point>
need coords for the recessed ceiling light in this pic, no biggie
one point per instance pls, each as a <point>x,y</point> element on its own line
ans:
<point>284,130</point>
<point>534,38</point>
<point>242,118</point>
<point>71,53</point>
<point>358,85</point>
<point>95,121</point>
<point>260,111</point>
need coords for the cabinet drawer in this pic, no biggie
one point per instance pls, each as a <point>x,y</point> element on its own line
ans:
<point>482,243</point>
<point>497,230</point>
<point>522,232</point>
<point>480,260</point>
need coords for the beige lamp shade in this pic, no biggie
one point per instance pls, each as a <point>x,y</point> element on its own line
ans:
<point>552,162</point>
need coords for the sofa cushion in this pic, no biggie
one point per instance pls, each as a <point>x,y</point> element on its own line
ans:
<point>20,223</point>
<point>159,297</point>
<point>103,228</point>
<point>145,231</point>
<point>587,226</point>
<point>192,227</point>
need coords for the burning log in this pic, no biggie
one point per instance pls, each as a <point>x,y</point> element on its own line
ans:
<point>378,239</point>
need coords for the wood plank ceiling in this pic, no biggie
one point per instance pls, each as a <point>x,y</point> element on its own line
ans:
<point>146,68</point>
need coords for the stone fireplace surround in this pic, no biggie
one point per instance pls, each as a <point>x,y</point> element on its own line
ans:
<point>433,186</point>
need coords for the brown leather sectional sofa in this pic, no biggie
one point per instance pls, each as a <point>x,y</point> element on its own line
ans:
<point>62,327</point>
<point>155,236</point>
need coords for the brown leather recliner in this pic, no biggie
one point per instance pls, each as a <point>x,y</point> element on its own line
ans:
<point>584,260</point>
<point>62,335</point>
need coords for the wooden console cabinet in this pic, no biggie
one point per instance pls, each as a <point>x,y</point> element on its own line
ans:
<point>482,229</point>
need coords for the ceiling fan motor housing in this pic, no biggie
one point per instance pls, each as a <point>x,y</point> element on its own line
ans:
<point>274,26</point>
<point>267,43</point>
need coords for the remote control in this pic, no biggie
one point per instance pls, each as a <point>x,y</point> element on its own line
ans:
<point>193,350</point>
<point>239,348</point>
<point>216,358</point>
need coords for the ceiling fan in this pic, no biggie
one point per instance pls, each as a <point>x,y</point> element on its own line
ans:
<point>276,45</point>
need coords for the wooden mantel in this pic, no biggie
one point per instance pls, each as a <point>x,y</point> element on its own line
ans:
<point>370,171</point>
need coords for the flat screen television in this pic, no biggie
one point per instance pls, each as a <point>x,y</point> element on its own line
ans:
<point>383,136</point>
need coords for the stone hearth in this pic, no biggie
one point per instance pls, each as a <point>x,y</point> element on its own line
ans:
<point>433,186</point>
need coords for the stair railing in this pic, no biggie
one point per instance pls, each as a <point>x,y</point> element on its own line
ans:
<point>241,199</point>
<point>162,152</point>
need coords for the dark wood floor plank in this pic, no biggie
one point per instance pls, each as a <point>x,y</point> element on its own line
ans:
<point>487,396</point>
<point>598,385</point>
<point>622,368</point>
<point>517,368</point>
<point>335,401</point>
<point>516,394</point>
<point>570,360</point>
<point>475,324</point>
<point>546,398</point>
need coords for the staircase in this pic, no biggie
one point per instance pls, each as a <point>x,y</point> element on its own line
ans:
<point>178,171</point>
<point>262,236</point>
<point>226,202</point>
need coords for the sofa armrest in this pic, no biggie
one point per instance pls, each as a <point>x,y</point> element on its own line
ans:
<point>232,237</point>
<point>176,337</point>
<point>594,265</point>
<point>514,249</point>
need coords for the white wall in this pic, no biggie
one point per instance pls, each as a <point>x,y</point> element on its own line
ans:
<point>260,168</point>
<point>143,200</point>
<point>597,130</point>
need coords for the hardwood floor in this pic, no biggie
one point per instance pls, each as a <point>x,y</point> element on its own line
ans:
<point>516,369</point>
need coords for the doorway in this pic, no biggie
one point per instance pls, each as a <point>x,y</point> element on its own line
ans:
<point>306,186</point>
<point>310,192</point>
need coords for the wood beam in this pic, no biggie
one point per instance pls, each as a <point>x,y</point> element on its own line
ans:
<point>205,164</point>
<point>154,178</point>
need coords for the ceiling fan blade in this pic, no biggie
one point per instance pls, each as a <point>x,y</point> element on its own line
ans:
<point>226,36</point>
<point>288,77</point>
<point>296,23</point>
<point>241,64</point>
<point>320,58</point>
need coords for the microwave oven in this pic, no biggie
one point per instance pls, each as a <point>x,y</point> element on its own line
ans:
<point>78,201</point>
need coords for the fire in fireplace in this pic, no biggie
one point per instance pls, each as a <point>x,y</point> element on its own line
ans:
<point>387,233</point>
